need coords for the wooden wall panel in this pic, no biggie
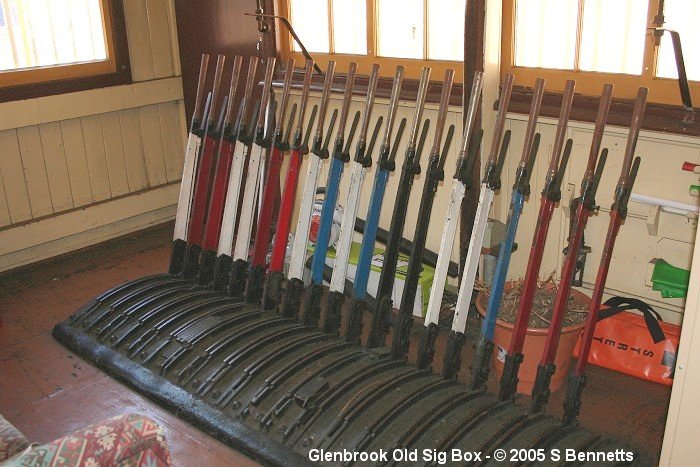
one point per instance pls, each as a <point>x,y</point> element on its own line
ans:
<point>4,209</point>
<point>13,178</point>
<point>76,161</point>
<point>114,152</point>
<point>160,38</point>
<point>153,145</point>
<point>96,157</point>
<point>133,149</point>
<point>140,49</point>
<point>173,149</point>
<point>56,168</point>
<point>65,156</point>
<point>35,174</point>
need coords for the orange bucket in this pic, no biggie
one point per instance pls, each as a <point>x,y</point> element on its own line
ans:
<point>534,346</point>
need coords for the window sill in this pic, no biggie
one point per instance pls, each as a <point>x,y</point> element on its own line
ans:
<point>409,88</point>
<point>52,88</point>
<point>657,117</point>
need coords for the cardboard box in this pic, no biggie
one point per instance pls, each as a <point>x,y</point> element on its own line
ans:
<point>424,283</point>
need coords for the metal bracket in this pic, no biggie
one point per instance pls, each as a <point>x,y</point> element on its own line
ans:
<point>290,28</point>
<point>683,85</point>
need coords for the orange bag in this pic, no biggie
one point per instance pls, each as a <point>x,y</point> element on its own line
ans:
<point>637,345</point>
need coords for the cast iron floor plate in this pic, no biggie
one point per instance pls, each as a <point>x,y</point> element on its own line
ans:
<point>276,389</point>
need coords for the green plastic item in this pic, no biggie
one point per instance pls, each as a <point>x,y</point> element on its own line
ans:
<point>671,281</point>
<point>694,190</point>
<point>425,281</point>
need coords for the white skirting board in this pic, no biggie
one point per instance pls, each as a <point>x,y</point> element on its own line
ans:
<point>53,236</point>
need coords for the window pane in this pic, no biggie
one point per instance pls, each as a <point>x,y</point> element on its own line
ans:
<point>612,39</point>
<point>446,29</point>
<point>400,28</point>
<point>6,54</point>
<point>310,21</point>
<point>682,16</point>
<point>350,26</point>
<point>545,33</point>
<point>37,33</point>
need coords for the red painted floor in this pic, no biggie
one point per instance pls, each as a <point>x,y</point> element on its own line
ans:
<point>47,392</point>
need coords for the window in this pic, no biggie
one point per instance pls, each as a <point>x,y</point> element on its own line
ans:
<point>53,40</point>
<point>598,41</point>
<point>414,33</point>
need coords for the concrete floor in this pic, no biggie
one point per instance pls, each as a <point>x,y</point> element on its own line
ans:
<point>47,391</point>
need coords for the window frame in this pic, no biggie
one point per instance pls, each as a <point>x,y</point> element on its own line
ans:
<point>661,90</point>
<point>364,62</point>
<point>58,79</point>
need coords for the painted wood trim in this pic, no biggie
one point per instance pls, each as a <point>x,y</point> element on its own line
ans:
<point>680,438</point>
<point>49,109</point>
<point>52,236</point>
<point>13,178</point>
<point>35,174</point>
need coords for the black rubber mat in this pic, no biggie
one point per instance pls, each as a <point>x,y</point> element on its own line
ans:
<point>276,389</point>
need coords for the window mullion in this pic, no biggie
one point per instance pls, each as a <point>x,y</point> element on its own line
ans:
<point>426,34</point>
<point>371,28</point>
<point>53,32</point>
<point>331,42</point>
<point>650,48</point>
<point>10,30</point>
<point>579,35</point>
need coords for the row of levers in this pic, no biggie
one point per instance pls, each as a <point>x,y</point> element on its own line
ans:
<point>252,318</point>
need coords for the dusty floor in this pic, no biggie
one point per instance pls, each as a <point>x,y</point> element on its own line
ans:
<point>47,392</point>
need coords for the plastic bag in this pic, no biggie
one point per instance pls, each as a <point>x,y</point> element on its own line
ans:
<point>637,345</point>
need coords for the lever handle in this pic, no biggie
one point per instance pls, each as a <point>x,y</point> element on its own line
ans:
<point>251,134</point>
<point>421,144</point>
<point>288,131</point>
<point>221,59</point>
<point>351,136</point>
<point>522,183</point>
<point>243,111</point>
<point>533,154</point>
<point>562,168</point>
<point>265,96</point>
<point>633,136</point>
<point>284,101</point>
<point>305,144</point>
<point>331,126</point>
<point>235,73</point>
<point>503,153</point>
<point>367,160</point>
<point>599,170</point>
<point>393,105</point>
<point>305,90</point>
<point>446,147</point>
<point>633,173</point>
<point>325,96</point>
<point>397,140</point>
<point>472,156</point>
<point>198,108</point>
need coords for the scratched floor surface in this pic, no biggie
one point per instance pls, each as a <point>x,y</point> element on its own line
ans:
<point>47,392</point>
